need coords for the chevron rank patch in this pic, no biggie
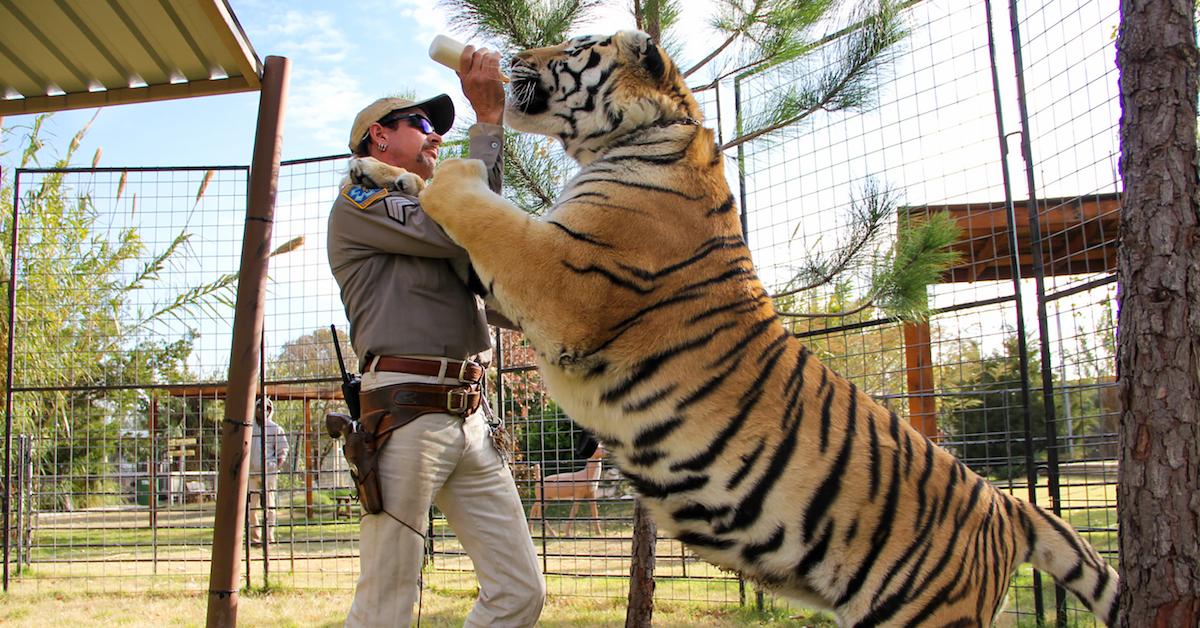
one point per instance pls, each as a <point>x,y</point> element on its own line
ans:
<point>397,208</point>
<point>363,197</point>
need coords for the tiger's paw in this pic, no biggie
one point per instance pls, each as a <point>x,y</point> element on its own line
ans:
<point>372,173</point>
<point>455,183</point>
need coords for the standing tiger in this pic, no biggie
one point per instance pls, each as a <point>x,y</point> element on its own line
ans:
<point>653,331</point>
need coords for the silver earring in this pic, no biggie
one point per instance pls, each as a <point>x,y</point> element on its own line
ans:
<point>382,146</point>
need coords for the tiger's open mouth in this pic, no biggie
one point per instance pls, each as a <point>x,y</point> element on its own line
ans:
<point>528,95</point>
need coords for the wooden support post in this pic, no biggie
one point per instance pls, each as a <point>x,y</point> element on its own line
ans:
<point>640,611</point>
<point>234,464</point>
<point>918,369</point>
<point>308,459</point>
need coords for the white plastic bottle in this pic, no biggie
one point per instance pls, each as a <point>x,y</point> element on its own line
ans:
<point>448,51</point>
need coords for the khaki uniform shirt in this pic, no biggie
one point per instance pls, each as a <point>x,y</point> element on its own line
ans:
<point>396,269</point>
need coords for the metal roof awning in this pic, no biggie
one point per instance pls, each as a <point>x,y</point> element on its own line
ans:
<point>74,54</point>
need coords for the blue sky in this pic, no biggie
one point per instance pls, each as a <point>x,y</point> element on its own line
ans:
<point>343,55</point>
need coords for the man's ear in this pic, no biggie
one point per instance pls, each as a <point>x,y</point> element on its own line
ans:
<point>375,133</point>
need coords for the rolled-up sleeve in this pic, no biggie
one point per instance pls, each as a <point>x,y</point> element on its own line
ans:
<point>487,145</point>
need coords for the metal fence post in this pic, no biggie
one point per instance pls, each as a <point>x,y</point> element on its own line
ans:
<point>1035,235</point>
<point>1018,300</point>
<point>8,382</point>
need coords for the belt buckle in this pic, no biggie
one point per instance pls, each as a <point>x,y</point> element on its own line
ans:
<point>462,371</point>
<point>461,393</point>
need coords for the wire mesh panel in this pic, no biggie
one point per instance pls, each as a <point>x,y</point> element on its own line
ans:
<point>125,283</point>
<point>580,508</point>
<point>1073,114</point>
<point>972,377</point>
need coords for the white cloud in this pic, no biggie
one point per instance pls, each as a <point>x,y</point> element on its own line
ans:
<point>321,104</point>
<point>312,35</point>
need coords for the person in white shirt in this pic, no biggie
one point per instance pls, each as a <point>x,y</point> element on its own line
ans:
<point>275,455</point>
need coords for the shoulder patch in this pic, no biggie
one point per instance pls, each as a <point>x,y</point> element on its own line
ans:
<point>363,197</point>
<point>397,208</point>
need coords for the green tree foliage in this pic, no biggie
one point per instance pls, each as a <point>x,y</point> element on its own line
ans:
<point>81,340</point>
<point>983,417</point>
<point>311,361</point>
<point>982,413</point>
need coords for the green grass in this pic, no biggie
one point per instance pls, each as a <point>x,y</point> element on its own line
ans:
<point>57,603</point>
<point>688,591</point>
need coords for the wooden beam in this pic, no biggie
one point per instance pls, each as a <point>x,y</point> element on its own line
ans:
<point>234,463</point>
<point>125,96</point>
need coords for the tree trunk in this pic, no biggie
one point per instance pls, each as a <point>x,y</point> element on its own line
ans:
<point>1158,349</point>
<point>640,611</point>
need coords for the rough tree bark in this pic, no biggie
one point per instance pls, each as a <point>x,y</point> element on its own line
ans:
<point>1158,348</point>
<point>640,611</point>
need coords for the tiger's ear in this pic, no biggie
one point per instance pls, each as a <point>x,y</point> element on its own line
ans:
<point>642,48</point>
<point>652,60</point>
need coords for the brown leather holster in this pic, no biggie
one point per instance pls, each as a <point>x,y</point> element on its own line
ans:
<point>386,409</point>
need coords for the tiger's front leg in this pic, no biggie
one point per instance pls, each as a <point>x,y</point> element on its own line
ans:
<point>459,199</point>
<point>518,258</point>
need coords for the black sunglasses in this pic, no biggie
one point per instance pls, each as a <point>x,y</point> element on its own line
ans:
<point>418,121</point>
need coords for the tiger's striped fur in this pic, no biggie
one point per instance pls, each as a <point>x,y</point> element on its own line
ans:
<point>653,331</point>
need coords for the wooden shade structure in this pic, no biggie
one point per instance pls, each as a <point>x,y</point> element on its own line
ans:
<point>303,393</point>
<point>1078,236</point>
<point>73,54</point>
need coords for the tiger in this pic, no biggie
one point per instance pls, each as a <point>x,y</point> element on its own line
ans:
<point>652,330</point>
<point>373,174</point>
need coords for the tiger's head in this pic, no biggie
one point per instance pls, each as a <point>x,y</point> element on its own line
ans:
<point>590,91</point>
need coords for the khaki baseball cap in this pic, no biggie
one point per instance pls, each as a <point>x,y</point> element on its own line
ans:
<point>440,110</point>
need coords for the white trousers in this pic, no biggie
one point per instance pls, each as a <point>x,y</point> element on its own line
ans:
<point>450,461</point>
<point>255,487</point>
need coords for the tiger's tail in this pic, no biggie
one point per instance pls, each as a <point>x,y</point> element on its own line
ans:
<point>1057,549</point>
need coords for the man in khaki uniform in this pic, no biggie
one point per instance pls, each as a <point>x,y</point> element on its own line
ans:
<point>417,326</point>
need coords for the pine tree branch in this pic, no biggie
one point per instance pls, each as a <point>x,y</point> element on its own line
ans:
<point>743,70</point>
<point>829,97</point>
<point>532,184</point>
<point>712,55</point>
<point>843,314</point>
<point>869,214</point>
<point>877,36</point>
